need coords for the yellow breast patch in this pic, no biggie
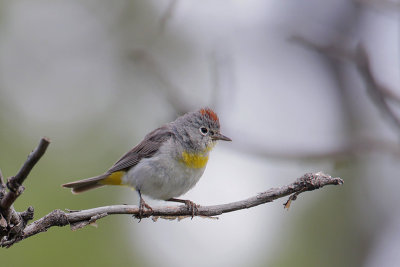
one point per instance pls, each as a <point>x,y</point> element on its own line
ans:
<point>194,160</point>
<point>114,178</point>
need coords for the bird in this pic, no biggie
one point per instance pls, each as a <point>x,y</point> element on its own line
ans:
<point>167,163</point>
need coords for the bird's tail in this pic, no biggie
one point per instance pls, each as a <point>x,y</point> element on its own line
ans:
<point>84,185</point>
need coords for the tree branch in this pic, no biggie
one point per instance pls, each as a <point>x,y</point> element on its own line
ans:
<point>12,223</point>
<point>14,228</point>
<point>376,91</point>
<point>14,184</point>
<point>79,219</point>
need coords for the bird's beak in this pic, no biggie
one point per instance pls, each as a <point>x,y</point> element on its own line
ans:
<point>218,136</point>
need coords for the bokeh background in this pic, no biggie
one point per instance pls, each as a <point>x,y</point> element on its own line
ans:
<point>300,86</point>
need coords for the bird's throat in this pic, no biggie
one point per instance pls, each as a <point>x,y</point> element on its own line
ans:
<point>194,160</point>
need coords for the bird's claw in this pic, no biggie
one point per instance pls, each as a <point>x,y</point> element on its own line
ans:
<point>142,206</point>
<point>193,207</point>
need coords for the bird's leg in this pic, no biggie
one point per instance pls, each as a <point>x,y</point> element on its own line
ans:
<point>142,205</point>
<point>193,207</point>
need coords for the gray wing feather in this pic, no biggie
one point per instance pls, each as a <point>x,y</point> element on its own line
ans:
<point>145,149</point>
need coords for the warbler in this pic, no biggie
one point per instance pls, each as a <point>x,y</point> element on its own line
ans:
<point>167,163</point>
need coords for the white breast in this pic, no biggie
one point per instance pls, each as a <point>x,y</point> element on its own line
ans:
<point>162,176</point>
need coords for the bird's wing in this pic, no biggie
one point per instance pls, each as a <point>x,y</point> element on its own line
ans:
<point>145,149</point>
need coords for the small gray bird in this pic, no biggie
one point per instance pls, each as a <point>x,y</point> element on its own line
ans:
<point>167,163</point>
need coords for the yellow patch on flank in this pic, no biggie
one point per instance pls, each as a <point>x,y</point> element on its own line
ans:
<point>114,178</point>
<point>194,160</point>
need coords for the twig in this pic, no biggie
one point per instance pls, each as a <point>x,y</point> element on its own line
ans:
<point>14,184</point>
<point>2,184</point>
<point>12,223</point>
<point>377,92</point>
<point>79,219</point>
<point>33,158</point>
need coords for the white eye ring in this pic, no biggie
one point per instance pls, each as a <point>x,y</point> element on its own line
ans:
<point>203,130</point>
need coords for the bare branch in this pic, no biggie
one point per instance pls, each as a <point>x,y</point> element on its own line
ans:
<point>359,57</point>
<point>2,183</point>
<point>79,219</point>
<point>377,92</point>
<point>14,227</point>
<point>12,223</point>
<point>33,158</point>
<point>14,184</point>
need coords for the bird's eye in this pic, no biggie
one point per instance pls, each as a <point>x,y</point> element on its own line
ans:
<point>203,130</point>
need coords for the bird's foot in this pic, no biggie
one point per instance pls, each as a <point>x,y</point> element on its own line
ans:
<point>192,207</point>
<point>142,206</point>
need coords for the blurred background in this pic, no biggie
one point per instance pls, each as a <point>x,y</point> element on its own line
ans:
<point>300,86</point>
